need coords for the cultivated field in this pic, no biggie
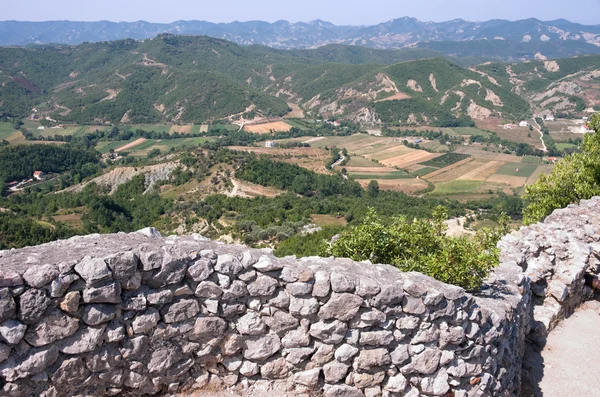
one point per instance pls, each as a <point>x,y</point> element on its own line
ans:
<point>266,128</point>
<point>518,134</point>
<point>313,159</point>
<point>399,185</point>
<point>131,145</point>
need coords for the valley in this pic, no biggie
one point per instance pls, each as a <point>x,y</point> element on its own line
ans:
<point>283,145</point>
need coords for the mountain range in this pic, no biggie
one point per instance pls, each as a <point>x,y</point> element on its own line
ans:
<point>395,33</point>
<point>197,79</point>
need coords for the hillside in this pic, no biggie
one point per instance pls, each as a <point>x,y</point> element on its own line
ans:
<point>396,33</point>
<point>197,79</point>
<point>559,87</point>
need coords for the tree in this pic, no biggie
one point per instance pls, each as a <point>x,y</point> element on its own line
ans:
<point>422,245</point>
<point>373,189</point>
<point>574,178</point>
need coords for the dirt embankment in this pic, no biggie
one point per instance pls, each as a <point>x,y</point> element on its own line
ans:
<point>118,176</point>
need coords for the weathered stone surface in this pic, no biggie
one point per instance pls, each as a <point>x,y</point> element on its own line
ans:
<point>12,331</point>
<point>180,310</point>
<point>10,279</point>
<point>228,264</point>
<point>262,286</point>
<point>329,332</point>
<point>342,282</point>
<point>280,321</point>
<point>373,358</point>
<point>296,338</point>
<point>39,276</point>
<point>376,338</point>
<point>200,270</point>
<point>322,285</point>
<point>250,324</point>
<point>122,265</point>
<point>267,264</point>
<point>159,298</point>
<point>303,306</point>
<point>324,354</point>
<point>427,362</point>
<point>37,360</point>
<point>110,293</point>
<point>309,378</point>
<point>345,353</point>
<point>275,369</point>
<point>8,307</point>
<point>299,289</point>
<point>208,328</point>
<point>341,307</point>
<point>335,372</point>
<point>364,380</point>
<point>93,270</point>
<point>4,352</point>
<point>51,328</point>
<point>70,371</point>
<point>249,368</point>
<point>261,347</point>
<point>32,305</point>
<point>396,384</point>
<point>70,303</point>
<point>436,385</point>
<point>163,359</point>
<point>343,391</point>
<point>297,355</point>
<point>208,289</point>
<point>145,321</point>
<point>85,340</point>
<point>98,314</point>
<point>61,284</point>
<point>400,355</point>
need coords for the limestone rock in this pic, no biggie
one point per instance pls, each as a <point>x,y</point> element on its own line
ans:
<point>369,359</point>
<point>341,307</point>
<point>376,338</point>
<point>32,305</point>
<point>262,286</point>
<point>70,303</point>
<point>259,348</point>
<point>303,306</point>
<point>85,340</point>
<point>93,270</point>
<point>281,321</point>
<point>335,372</point>
<point>39,276</point>
<point>12,331</point>
<point>250,324</point>
<point>345,353</point>
<point>145,321</point>
<point>427,362</point>
<point>275,369</point>
<point>98,314</point>
<point>8,307</point>
<point>436,385</point>
<point>51,328</point>
<point>122,264</point>
<point>329,332</point>
<point>110,293</point>
<point>180,310</point>
<point>208,328</point>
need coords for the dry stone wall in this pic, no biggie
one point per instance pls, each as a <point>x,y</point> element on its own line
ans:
<point>141,314</point>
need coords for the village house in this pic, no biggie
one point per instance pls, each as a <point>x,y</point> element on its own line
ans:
<point>523,124</point>
<point>269,144</point>
<point>549,118</point>
<point>37,175</point>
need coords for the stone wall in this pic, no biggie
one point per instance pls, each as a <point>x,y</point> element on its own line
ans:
<point>141,314</point>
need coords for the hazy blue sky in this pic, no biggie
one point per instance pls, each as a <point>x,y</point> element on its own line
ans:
<point>355,12</point>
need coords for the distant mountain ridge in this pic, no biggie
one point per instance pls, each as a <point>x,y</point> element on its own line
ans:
<point>397,33</point>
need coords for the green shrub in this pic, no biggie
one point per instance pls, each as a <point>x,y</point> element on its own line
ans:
<point>422,245</point>
<point>574,178</point>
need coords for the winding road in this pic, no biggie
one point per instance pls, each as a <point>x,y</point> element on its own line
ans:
<point>538,128</point>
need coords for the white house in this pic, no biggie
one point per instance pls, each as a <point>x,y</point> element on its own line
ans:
<point>269,144</point>
<point>523,124</point>
<point>549,118</point>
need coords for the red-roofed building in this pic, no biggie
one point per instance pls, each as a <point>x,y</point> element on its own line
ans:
<point>38,175</point>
